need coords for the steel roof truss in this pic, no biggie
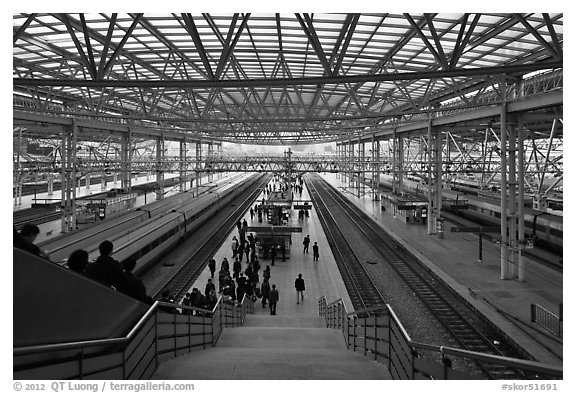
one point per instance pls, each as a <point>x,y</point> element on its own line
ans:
<point>22,28</point>
<point>462,43</point>
<point>89,65</point>
<point>120,46</point>
<point>106,44</point>
<point>553,35</point>
<point>538,36</point>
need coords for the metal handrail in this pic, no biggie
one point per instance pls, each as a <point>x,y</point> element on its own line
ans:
<point>334,315</point>
<point>108,341</point>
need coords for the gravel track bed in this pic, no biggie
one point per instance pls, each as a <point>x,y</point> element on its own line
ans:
<point>419,322</point>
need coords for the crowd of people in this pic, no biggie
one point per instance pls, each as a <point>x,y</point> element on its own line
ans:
<point>233,285</point>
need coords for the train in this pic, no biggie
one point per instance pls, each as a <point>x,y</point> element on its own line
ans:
<point>152,238</point>
<point>128,230</point>
<point>545,229</point>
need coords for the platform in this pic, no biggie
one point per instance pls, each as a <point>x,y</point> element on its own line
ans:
<point>455,259</point>
<point>294,343</point>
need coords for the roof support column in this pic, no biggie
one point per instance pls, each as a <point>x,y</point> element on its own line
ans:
<point>338,160</point>
<point>18,191</point>
<point>521,244</point>
<point>219,154</point>
<point>434,158</point>
<point>397,163</point>
<point>361,167</point>
<point>126,161</point>
<point>512,203</point>
<point>182,165</point>
<point>198,159</point>
<point>159,169</point>
<point>352,166</point>
<point>504,271</point>
<point>375,168</point>
<point>68,180</point>
<point>209,156</point>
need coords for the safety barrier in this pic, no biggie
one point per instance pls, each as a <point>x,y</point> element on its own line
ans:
<point>547,319</point>
<point>159,335</point>
<point>378,334</point>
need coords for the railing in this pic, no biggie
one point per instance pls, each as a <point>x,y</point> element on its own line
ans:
<point>547,319</point>
<point>158,336</point>
<point>378,334</point>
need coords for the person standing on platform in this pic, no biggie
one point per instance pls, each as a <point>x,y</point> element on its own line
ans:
<point>210,287</point>
<point>244,225</point>
<point>240,287</point>
<point>265,291</point>
<point>283,251</point>
<point>239,226</point>
<point>300,288</point>
<point>212,267</point>
<point>315,252</point>
<point>306,243</point>
<point>225,265</point>
<point>266,273</point>
<point>241,251</point>
<point>247,251</point>
<point>273,254</point>
<point>234,246</point>
<point>236,267</point>
<point>251,213</point>
<point>273,298</point>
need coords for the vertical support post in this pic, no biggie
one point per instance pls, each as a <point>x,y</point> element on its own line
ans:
<point>394,162</point>
<point>73,166</point>
<point>352,165</point>
<point>400,163</point>
<point>63,182</point>
<point>210,157</point>
<point>87,182</point>
<point>18,169</point>
<point>439,172</point>
<point>50,184</point>
<point>431,199</point>
<point>361,168</point>
<point>521,260</point>
<point>337,158</point>
<point>182,165</point>
<point>126,161</point>
<point>377,171</point>
<point>512,204</point>
<point>159,170</point>
<point>503,186</point>
<point>198,162</point>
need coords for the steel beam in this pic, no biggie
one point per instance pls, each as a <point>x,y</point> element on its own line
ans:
<point>322,80</point>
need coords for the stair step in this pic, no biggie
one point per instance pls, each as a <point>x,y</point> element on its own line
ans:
<point>271,364</point>
<point>275,338</point>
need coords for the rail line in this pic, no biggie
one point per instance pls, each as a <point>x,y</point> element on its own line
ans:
<point>362,291</point>
<point>184,277</point>
<point>451,311</point>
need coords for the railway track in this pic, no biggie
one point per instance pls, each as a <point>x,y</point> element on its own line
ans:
<point>362,291</point>
<point>458,319</point>
<point>184,277</point>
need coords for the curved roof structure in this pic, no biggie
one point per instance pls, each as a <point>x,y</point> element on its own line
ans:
<point>271,78</point>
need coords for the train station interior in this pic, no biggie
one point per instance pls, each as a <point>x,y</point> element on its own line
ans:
<point>358,197</point>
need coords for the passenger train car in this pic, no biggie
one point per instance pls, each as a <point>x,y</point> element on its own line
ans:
<point>88,239</point>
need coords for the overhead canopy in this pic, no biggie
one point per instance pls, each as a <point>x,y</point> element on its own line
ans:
<point>271,78</point>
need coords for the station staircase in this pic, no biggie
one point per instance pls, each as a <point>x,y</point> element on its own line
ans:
<point>271,347</point>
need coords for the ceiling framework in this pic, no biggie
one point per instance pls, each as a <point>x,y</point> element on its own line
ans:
<point>277,78</point>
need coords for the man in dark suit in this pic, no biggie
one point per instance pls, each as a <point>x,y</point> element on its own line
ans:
<point>273,299</point>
